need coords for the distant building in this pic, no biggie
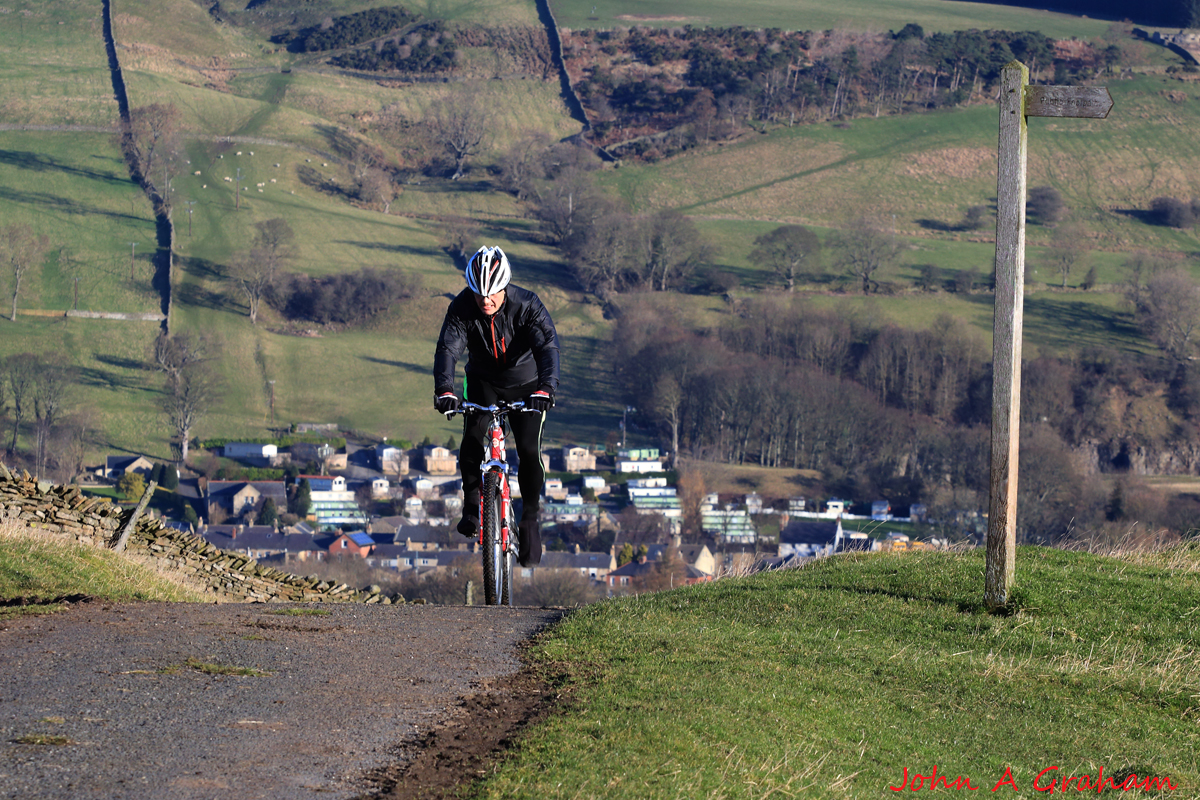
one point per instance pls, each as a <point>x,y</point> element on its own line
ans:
<point>809,538</point>
<point>116,466</point>
<point>639,454</point>
<point>358,543</point>
<point>729,525</point>
<point>333,505</point>
<point>238,497</point>
<point>881,511</point>
<point>596,566</point>
<point>247,451</point>
<point>391,460</point>
<point>439,461</point>
<point>629,465</point>
<point>577,459</point>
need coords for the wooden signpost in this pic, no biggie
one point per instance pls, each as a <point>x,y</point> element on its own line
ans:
<point>1018,100</point>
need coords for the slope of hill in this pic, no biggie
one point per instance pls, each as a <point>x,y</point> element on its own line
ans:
<point>266,137</point>
<point>739,688</point>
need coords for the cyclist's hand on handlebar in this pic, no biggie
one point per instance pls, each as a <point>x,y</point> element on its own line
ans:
<point>445,402</point>
<point>541,400</point>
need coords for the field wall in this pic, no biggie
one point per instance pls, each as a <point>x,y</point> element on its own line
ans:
<point>65,512</point>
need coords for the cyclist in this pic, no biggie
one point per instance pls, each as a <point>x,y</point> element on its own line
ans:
<point>512,350</point>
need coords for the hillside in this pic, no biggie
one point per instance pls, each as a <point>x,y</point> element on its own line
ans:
<point>267,132</point>
<point>852,676</point>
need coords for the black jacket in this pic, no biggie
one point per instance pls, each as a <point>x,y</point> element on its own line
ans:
<point>515,346</point>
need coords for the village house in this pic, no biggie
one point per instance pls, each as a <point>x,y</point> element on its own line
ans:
<point>391,460</point>
<point>116,466</point>
<point>357,543</point>
<point>439,461</point>
<point>253,541</point>
<point>595,566</point>
<point>642,568</point>
<point>333,505</point>
<point>577,459</point>
<point>810,538</point>
<point>257,454</point>
<point>236,498</point>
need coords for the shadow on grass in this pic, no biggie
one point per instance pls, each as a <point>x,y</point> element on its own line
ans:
<point>200,267</point>
<point>108,379</point>
<point>420,369</point>
<point>39,162</point>
<point>1063,321</point>
<point>193,295</point>
<point>546,272</point>
<point>63,204</point>
<point>123,363</point>
<point>395,248</point>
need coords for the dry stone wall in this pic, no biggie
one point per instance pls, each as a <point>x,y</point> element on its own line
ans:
<point>66,512</point>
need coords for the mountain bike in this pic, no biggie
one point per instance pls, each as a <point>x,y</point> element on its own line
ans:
<point>497,524</point>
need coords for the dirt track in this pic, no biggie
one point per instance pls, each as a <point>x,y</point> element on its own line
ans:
<point>349,701</point>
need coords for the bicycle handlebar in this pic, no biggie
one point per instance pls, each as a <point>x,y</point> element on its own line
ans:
<point>501,406</point>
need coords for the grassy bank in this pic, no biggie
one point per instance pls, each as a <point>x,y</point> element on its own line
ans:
<point>39,569</point>
<point>833,680</point>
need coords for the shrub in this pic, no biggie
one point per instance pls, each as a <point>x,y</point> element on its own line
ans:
<point>1045,205</point>
<point>347,298</point>
<point>1172,212</point>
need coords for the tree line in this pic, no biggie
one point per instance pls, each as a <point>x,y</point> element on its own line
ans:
<point>883,411</point>
<point>696,84</point>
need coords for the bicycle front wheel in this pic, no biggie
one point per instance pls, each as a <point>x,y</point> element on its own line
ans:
<point>493,544</point>
<point>508,562</point>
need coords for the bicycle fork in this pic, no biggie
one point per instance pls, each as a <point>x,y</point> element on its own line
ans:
<point>497,460</point>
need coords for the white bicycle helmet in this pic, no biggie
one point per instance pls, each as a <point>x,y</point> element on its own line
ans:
<point>488,271</point>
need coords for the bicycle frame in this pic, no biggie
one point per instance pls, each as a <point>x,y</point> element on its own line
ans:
<point>499,546</point>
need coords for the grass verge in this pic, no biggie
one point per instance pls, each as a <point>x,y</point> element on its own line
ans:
<point>837,679</point>
<point>36,569</point>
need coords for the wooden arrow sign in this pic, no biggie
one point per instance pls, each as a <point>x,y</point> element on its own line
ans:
<point>1093,102</point>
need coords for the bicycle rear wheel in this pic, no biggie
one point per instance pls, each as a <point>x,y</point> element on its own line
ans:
<point>493,547</point>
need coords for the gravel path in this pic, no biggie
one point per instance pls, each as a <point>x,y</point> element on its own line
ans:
<point>343,692</point>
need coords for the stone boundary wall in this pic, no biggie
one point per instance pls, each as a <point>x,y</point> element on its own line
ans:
<point>66,513</point>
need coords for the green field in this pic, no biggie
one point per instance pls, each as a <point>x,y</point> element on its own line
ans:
<point>813,15</point>
<point>834,680</point>
<point>919,172</point>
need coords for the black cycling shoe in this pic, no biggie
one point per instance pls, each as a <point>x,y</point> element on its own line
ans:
<point>468,527</point>
<point>530,543</point>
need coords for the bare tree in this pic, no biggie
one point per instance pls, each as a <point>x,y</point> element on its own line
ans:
<point>1139,269</point>
<point>276,236</point>
<point>255,271</point>
<point>789,251</point>
<point>668,404</point>
<point>460,125</point>
<point>21,249</point>
<point>377,188</point>
<point>669,247</point>
<point>521,167</point>
<point>603,258</point>
<point>863,248</point>
<point>1170,313</point>
<point>52,385</point>
<point>1066,251</point>
<point>150,140</point>
<point>187,399</point>
<point>74,440</point>
<point>21,372</point>
<point>173,354</point>
<point>569,205</point>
